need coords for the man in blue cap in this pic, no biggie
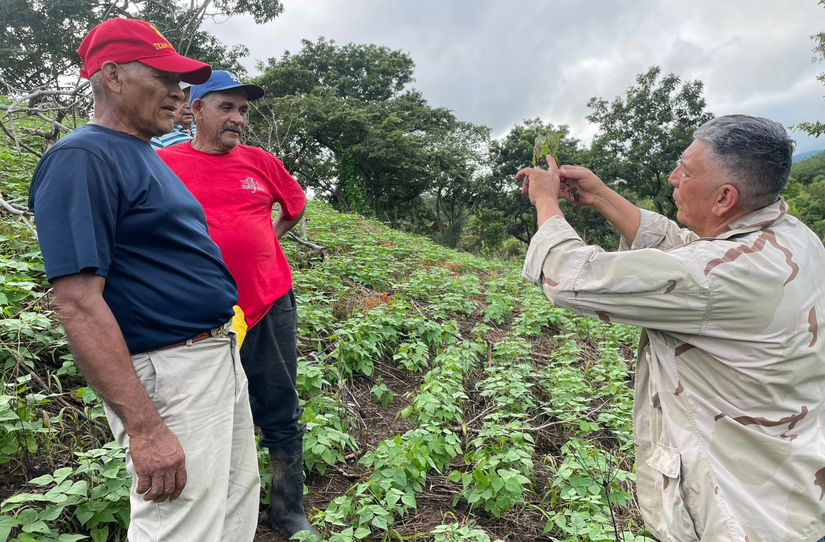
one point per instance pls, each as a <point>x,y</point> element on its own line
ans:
<point>238,186</point>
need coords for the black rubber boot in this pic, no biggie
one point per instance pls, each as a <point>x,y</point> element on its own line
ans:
<point>286,512</point>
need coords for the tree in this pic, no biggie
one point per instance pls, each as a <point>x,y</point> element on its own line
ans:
<point>805,171</point>
<point>643,133</point>
<point>815,128</point>
<point>460,160</point>
<point>368,73</point>
<point>341,120</point>
<point>39,38</point>
<point>39,65</point>
<point>807,203</point>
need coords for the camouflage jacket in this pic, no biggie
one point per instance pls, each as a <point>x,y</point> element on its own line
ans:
<point>729,414</point>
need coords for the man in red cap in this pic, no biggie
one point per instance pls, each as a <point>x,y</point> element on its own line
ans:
<point>145,297</point>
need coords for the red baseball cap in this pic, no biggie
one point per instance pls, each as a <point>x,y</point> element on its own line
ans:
<point>128,40</point>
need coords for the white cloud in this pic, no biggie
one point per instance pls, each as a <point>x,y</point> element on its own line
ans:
<point>497,63</point>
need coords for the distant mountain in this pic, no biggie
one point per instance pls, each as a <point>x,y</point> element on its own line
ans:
<point>803,155</point>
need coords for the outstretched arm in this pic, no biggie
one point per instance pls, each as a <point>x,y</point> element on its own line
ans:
<point>582,187</point>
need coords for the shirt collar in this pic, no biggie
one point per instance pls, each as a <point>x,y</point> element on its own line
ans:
<point>757,220</point>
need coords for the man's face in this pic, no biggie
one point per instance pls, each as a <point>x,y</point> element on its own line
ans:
<point>696,182</point>
<point>149,100</point>
<point>221,118</point>
<point>183,114</point>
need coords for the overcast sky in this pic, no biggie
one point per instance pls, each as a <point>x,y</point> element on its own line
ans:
<point>497,63</point>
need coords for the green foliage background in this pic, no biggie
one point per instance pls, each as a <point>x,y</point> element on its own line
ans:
<point>519,411</point>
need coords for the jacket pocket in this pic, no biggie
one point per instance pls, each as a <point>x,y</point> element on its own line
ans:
<point>679,525</point>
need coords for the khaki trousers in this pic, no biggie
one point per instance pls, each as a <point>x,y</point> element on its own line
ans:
<point>200,391</point>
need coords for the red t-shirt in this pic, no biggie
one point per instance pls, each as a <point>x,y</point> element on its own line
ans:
<point>237,191</point>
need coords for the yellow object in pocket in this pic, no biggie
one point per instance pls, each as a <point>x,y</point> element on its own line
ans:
<point>239,325</point>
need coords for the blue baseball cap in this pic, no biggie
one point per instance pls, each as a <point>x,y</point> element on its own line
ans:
<point>224,80</point>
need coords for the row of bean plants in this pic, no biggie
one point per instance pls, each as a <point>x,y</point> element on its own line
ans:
<point>516,415</point>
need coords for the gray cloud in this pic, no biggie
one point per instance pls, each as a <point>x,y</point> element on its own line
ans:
<point>497,63</point>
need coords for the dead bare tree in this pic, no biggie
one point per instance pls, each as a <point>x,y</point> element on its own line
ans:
<point>44,112</point>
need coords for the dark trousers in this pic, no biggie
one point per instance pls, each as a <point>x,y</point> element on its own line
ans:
<point>269,356</point>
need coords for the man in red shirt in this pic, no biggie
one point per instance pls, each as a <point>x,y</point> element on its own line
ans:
<point>237,186</point>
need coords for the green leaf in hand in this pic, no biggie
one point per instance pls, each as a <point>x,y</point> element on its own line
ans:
<point>546,144</point>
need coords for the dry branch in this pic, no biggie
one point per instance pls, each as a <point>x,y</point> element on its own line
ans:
<point>317,248</point>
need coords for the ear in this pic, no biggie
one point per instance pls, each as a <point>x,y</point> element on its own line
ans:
<point>727,200</point>
<point>111,77</point>
<point>197,108</point>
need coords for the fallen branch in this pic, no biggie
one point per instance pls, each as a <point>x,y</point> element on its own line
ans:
<point>355,455</point>
<point>19,211</point>
<point>560,422</point>
<point>12,208</point>
<point>348,475</point>
<point>19,144</point>
<point>31,304</point>
<point>313,246</point>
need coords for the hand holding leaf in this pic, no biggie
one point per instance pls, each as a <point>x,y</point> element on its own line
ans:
<point>546,144</point>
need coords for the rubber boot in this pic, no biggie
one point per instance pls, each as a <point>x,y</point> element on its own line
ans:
<point>286,511</point>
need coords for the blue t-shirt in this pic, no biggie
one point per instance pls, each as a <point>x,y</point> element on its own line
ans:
<point>104,201</point>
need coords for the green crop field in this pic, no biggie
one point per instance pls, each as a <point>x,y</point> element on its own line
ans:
<point>445,399</point>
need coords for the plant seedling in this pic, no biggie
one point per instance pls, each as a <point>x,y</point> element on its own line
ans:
<point>547,143</point>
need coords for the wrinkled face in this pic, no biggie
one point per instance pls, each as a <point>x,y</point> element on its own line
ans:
<point>696,182</point>
<point>183,114</point>
<point>221,118</point>
<point>148,100</point>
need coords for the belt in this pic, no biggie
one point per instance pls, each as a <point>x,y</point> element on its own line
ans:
<point>216,333</point>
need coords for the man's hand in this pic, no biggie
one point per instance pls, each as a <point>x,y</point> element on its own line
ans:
<point>540,184</point>
<point>160,464</point>
<point>581,186</point>
<point>543,188</point>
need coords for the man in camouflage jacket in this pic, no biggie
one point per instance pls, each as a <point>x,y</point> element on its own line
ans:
<point>729,415</point>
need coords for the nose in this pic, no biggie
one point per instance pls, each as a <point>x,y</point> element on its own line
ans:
<point>177,93</point>
<point>237,118</point>
<point>675,176</point>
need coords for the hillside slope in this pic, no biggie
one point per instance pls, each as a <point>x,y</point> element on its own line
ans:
<point>445,400</point>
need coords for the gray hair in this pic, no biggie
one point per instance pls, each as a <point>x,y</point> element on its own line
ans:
<point>97,86</point>
<point>754,151</point>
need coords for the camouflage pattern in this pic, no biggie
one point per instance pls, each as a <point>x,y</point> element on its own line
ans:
<point>729,414</point>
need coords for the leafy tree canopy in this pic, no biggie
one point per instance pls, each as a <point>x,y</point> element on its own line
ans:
<point>339,117</point>
<point>363,72</point>
<point>816,128</point>
<point>514,152</point>
<point>643,133</point>
<point>807,170</point>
